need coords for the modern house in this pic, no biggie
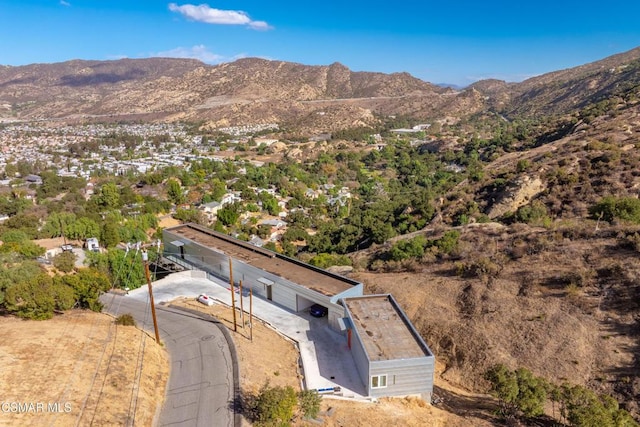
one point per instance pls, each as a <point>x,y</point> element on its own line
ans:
<point>390,356</point>
<point>285,281</point>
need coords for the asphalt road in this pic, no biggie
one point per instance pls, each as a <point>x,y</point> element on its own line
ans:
<point>200,391</point>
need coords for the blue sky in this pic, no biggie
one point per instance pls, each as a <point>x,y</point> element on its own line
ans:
<point>440,42</point>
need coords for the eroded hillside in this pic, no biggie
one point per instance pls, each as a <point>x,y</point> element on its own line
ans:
<point>563,302</point>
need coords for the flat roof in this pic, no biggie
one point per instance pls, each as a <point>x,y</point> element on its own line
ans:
<point>384,329</point>
<point>306,275</point>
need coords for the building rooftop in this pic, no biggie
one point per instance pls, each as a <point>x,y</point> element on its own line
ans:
<point>384,329</point>
<point>293,270</point>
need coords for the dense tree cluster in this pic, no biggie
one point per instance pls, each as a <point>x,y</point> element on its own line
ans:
<point>29,292</point>
<point>523,394</point>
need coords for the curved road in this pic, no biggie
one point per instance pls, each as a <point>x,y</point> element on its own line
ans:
<point>201,387</point>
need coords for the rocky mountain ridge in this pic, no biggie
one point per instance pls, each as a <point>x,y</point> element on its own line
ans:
<point>260,91</point>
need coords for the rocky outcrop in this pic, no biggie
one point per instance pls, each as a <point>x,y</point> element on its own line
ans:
<point>518,194</point>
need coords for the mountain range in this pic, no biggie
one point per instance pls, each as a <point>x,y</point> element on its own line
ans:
<point>310,98</point>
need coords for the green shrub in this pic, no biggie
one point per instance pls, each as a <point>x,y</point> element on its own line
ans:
<point>309,401</point>
<point>405,249</point>
<point>448,243</point>
<point>126,320</point>
<point>275,405</point>
<point>610,208</point>
<point>533,213</point>
<point>325,260</point>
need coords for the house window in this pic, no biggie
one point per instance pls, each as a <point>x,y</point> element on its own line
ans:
<point>379,381</point>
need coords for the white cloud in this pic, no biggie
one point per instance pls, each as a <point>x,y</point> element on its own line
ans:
<point>199,52</point>
<point>205,13</point>
<point>64,3</point>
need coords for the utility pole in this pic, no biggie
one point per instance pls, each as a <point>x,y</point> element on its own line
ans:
<point>251,314</point>
<point>233,296</point>
<point>241,306</point>
<point>145,259</point>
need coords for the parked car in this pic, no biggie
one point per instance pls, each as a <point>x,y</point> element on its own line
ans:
<point>204,299</point>
<point>317,310</point>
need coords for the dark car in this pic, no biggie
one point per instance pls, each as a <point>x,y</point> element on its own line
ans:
<point>317,310</point>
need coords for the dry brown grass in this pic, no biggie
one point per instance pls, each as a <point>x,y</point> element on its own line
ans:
<point>564,307</point>
<point>84,363</point>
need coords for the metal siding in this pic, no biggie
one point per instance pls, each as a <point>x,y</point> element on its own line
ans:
<point>302,303</point>
<point>216,263</point>
<point>412,376</point>
<point>284,295</point>
<point>360,358</point>
<point>335,312</point>
<point>355,291</point>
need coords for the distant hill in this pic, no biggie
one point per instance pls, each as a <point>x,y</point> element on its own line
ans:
<point>564,91</point>
<point>316,98</point>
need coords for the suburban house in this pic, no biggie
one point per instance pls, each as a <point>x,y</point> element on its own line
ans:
<point>211,209</point>
<point>391,357</point>
<point>33,179</point>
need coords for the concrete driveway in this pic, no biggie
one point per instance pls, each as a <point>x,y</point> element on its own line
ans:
<point>326,358</point>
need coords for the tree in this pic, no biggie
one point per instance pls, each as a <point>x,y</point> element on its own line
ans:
<point>57,224</point>
<point>124,268</point>
<point>218,189</point>
<point>109,196</point>
<point>110,235</point>
<point>448,243</point>
<point>269,203</point>
<point>412,248</point>
<point>174,192</point>
<point>228,215</point>
<point>583,408</point>
<point>82,229</point>
<point>88,284</point>
<point>16,272</point>
<point>324,260</point>
<point>189,215</point>
<point>610,208</point>
<point>37,297</point>
<point>65,261</point>
<point>504,386</point>
<point>18,242</point>
<point>532,393</point>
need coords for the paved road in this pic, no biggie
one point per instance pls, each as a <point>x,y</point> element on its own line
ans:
<point>201,384</point>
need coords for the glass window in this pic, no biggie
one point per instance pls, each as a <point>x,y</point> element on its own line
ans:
<point>379,381</point>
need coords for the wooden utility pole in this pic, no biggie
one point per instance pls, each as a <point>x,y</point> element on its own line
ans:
<point>145,258</point>
<point>241,306</point>
<point>251,314</point>
<point>233,296</point>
